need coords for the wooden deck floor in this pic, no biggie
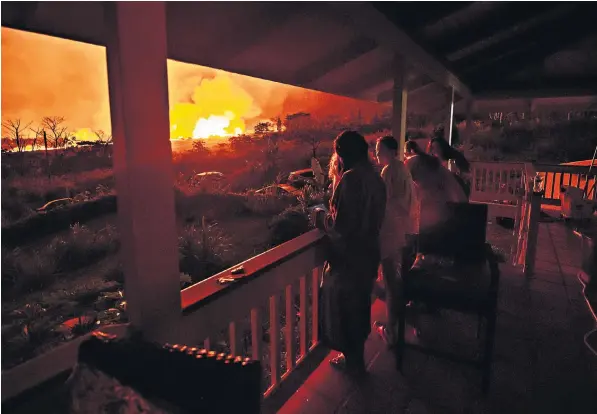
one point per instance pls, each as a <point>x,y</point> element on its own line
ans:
<point>540,362</point>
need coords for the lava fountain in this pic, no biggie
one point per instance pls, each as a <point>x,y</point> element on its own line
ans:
<point>218,107</point>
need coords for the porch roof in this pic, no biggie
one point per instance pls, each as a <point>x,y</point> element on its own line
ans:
<point>479,48</point>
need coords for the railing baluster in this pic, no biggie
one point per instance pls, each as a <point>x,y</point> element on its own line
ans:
<point>274,339</point>
<point>234,338</point>
<point>303,319</point>
<point>289,330</point>
<point>315,304</point>
<point>553,185</point>
<point>256,334</point>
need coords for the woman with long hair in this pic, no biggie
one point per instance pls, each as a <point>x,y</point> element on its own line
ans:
<point>335,170</point>
<point>357,209</point>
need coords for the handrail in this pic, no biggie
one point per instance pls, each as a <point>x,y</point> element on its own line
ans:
<point>574,169</point>
<point>197,295</point>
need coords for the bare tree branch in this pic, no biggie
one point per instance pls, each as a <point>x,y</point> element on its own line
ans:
<point>38,136</point>
<point>14,129</point>
<point>58,131</point>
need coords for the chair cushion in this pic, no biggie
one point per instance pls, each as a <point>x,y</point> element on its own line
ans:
<point>450,284</point>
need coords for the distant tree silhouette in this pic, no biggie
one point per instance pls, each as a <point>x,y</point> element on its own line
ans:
<point>38,136</point>
<point>313,140</point>
<point>103,139</point>
<point>14,129</point>
<point>263,128</point>
<point>200,147</point>
<point>272,154</point>
<point>57,131</point>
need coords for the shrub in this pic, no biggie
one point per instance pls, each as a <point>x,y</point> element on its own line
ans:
<point>287,225</point>
<point>310,196</point>
<point>191,204</point>
<point>37,189</point>
<point>266,205</point>
<point>40,225</point>
<point>203,251</point>
<point>83,247</point>
<point>13,208</point>
<point>30,269</point>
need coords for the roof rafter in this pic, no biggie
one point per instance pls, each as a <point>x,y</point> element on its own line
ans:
<point>373,23</point>
<point>417,85</point>
<point>505,17</point>
<point>534,52</point>
<point>541,33</point>
<point>354,49</point>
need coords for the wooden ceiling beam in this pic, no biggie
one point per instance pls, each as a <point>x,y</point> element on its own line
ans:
<point>340,57</point>
<point>373,23</point>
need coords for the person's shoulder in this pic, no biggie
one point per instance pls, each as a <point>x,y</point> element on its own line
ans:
<point>349,178</point>
<point>385,171</point>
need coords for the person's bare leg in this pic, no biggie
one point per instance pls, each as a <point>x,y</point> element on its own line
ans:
<point>390,276</point>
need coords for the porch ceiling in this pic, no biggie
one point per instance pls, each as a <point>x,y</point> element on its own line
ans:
<point>511,49</point>
<point>347,49</point>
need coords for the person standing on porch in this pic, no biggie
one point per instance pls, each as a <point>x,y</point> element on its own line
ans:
<point>399,193</point>
<point>357,209</point>
<point>451,157</point>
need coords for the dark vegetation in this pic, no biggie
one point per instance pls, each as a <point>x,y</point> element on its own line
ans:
<point>551,141</point>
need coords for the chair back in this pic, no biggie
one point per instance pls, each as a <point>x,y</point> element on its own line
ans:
<point>462,235</point>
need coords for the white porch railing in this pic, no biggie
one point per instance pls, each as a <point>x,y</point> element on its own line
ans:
<point>507,189</point>
<point>500,185</point>
<point>289,272</point>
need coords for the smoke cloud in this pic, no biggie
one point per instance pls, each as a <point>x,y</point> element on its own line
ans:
<point>47,76</point>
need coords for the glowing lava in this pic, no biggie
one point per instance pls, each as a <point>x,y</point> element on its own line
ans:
<point>215,126</point>
<point>218,108</point>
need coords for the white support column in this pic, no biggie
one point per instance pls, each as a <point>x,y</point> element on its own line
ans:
<point>469,118</point>
<point>399,104</point>
<point>138,86</point>
<point>449,116</point>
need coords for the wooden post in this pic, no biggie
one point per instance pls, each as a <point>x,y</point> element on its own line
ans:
<point>138,88</point>
<point>469,118</point>
<point>399,102</point>
<point>449,116</point>
<point>533,234</point>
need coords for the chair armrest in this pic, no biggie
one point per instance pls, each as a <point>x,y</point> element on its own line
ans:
<point>494,269</point>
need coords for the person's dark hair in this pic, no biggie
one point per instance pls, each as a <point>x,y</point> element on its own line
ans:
<point>413,147</point>
<point>421,160</point>
<point>390,143</point>
<point>352,148</point>
<point>447,152</point>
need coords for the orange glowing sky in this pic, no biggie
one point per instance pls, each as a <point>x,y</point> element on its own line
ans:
<point>46,76</point>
